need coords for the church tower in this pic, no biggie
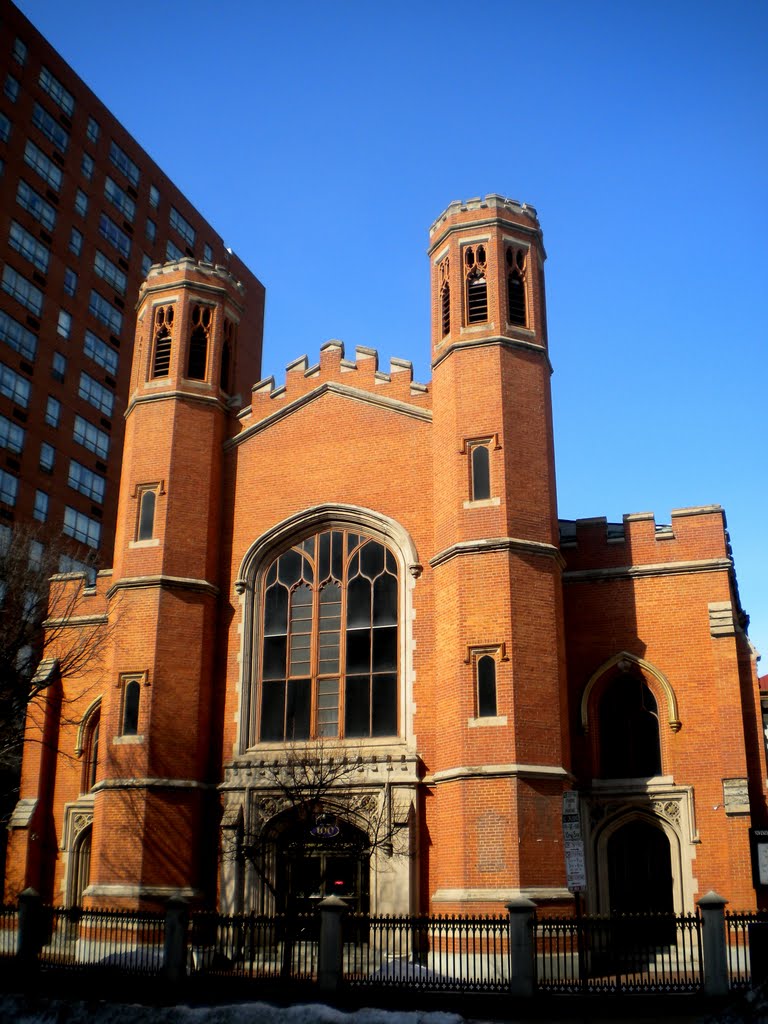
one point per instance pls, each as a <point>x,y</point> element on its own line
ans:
<point>500,722</point>
<point>153,800</point>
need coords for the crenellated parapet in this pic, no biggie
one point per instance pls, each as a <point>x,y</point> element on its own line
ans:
<point>334,370</point>
<point>693,535</point>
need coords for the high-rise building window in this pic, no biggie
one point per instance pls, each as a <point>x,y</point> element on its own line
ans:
<point>106,313</point>
<point>109,230</point>
<point>22,290</point>
<point>5,127</point>
<point>183,226</point>
<point>151,230</point>
<point>40,511</point>
<point>100,353</point>
<point>110,272</point>
<point>64,327</point>
<point>98,396</point>
<point>35,205</point>
<point>86,481</point>
<point>9,488</point>
<point>14,386</point>
<point>50,84</point>
<point>207,253</point>
<point>90,437</point>
<point>52,411</point>
<point>20,51</point>
<point>50,127</point>
<point>58,366</point>
<point>146,263</point>
<point>17,337</point>
<point>81,202</point>
<point>154,196</point>
<point>39,162</point>
<point>47,457</point>
<point>119,198</point>
<point>29,247</point>
<point>75,241</point>
<point>173,252</point>
<point>86,166</point>
<point>94,130</point>
<point>11,435</point>
<point>123,162</point>
<point>11,88</point>
<point>70,281</point>
<point>82,527</point>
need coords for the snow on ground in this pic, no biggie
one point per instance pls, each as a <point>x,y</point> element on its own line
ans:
<point>19,1010</point>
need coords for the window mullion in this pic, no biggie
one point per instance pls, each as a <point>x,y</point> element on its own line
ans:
<point>314,656</point>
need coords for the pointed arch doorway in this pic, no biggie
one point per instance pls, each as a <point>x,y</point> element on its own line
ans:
<point>640,879</point>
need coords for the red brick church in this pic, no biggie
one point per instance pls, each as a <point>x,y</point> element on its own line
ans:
<point>352,562</point>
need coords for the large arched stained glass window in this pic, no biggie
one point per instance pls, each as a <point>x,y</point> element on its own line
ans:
<point>329,651</point>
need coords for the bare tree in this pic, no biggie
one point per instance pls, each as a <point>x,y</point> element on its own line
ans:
<point>39,603</point>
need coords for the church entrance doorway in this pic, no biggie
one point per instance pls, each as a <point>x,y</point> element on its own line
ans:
<point>640,878</point>
<point>322,858</point>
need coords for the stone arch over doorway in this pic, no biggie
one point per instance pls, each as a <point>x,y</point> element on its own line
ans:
<point>639,864</point>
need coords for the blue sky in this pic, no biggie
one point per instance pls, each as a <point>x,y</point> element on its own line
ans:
<point>322,139</point>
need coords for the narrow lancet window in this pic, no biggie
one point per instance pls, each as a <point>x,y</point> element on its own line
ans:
<point>147,515</point>
<point>481,472</point>
<point>131,697</point>
<point>486,687</point>
<point>516,297</point>
<point>476,284</point>
<point>198,343</point>
<point>161,365</point>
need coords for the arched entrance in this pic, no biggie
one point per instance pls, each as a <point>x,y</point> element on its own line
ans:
<point>639,870</point>
<point>319,858</point>
<point>82,866</point>
<point>640,880</point>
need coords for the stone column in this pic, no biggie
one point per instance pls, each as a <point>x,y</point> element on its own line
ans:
<point>521,947</point>
<point>712,909</point>
<point>330,971</point>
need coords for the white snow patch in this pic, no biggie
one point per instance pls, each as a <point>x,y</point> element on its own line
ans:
<point>23,1011</point>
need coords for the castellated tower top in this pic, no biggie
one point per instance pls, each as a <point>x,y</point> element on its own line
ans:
<point>160,273</point>
<point>493,205</point>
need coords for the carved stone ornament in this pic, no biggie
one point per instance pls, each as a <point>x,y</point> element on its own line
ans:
<point>81,820</point>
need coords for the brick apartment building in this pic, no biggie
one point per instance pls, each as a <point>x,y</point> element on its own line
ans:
<point>84,212</point>
<point>358,566</point>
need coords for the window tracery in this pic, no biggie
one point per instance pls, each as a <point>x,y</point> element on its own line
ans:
<point>197,361</point>
<point>517,305</point>
<point>161,364</point>
<point>328,660</point>
<point>476,284</point>
<point>445,298</point>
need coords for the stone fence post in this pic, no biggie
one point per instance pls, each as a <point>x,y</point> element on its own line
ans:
<point>30,934</point>
<point>175,947</point>
<point>330,971</point>
<point>521,946</point>
<point>712,909</point>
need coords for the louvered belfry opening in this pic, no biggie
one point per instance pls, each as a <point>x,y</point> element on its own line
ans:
<point>198,343</point>
<point>477,285</point>
<point>161,365</point>
<point>516,299</point>
<point>445,299</point>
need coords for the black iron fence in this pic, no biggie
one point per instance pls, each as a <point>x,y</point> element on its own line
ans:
<point>460,953</point>
<point>747,948</point>
<point>624,953</point>
<point>129,941</point>
<point>517,953</point>
<point>253,946</point>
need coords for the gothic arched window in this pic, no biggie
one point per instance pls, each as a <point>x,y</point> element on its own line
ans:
<point>161,363</point>
<point>476,284</point>
<point>90,751</point>
<point>329,640</point>
<point>629,730</point>
<point>198,343</point>
<point>516,298</point>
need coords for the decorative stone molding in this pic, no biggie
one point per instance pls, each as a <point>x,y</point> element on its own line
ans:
<point>721,619</point>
